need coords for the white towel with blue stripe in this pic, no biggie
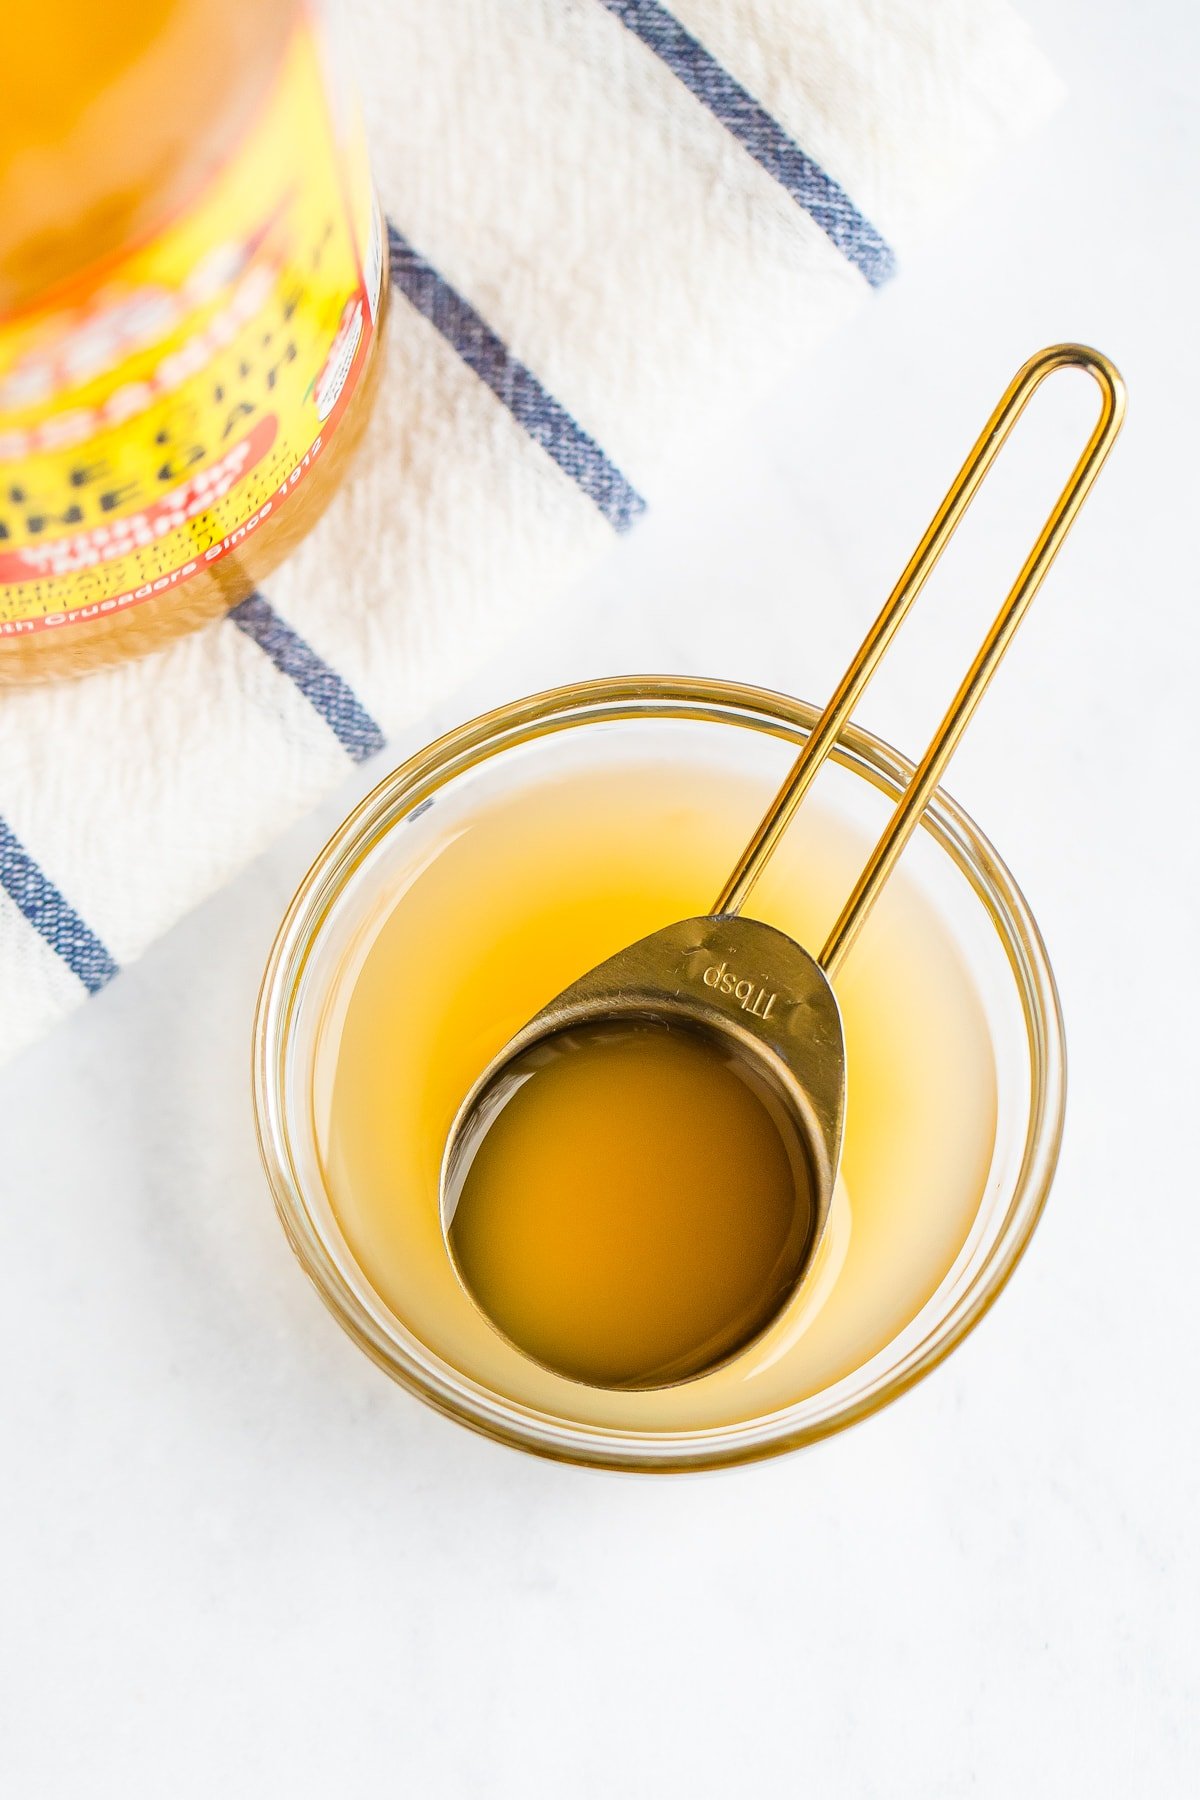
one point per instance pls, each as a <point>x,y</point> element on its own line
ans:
<point>604,215</point>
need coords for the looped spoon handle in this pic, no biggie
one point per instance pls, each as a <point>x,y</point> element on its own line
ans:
<point>942,527</point>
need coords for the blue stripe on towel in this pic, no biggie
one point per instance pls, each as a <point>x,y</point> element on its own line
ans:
<point>52,915</point>
<point>517,387</point>
<point>324,689</point>
<point>766,140</point>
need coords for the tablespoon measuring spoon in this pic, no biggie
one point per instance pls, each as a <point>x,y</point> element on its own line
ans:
<point>754,993</point>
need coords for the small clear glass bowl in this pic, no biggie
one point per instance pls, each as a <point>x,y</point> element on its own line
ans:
<point>975,900</point>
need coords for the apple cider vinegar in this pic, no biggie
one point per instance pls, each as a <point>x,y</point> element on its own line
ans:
<point>638,1209</point>
<point>581,1308</point>
<point>192,272</point>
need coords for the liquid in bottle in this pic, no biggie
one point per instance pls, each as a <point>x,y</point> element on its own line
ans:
<point>190,281</point>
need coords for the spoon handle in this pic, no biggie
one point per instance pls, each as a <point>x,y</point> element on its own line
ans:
<point>845,697</point>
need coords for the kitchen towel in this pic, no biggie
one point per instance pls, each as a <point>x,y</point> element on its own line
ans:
<point>606,218</point>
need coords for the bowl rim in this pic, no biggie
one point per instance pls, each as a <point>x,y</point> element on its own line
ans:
<point>694,698</point>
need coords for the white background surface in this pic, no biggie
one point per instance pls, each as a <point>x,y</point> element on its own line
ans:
<point>236,1560</point>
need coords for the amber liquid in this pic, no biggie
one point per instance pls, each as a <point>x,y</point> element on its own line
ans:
<point>639,1207</point>
<point>113,119</point>
<point>501,908</point>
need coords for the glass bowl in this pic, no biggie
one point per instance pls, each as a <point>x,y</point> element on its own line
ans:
<point>384,841</point>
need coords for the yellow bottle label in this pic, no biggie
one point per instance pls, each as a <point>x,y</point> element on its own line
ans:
<point>157,412</point>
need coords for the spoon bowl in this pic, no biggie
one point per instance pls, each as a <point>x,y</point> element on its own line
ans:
<point>754,994</point>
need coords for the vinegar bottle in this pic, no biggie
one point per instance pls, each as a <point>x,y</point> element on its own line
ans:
<point>191,274</point>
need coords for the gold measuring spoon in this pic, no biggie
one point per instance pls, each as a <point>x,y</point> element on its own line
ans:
<point>760,999</point>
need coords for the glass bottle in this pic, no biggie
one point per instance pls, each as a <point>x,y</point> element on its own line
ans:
<point>191,276</point>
